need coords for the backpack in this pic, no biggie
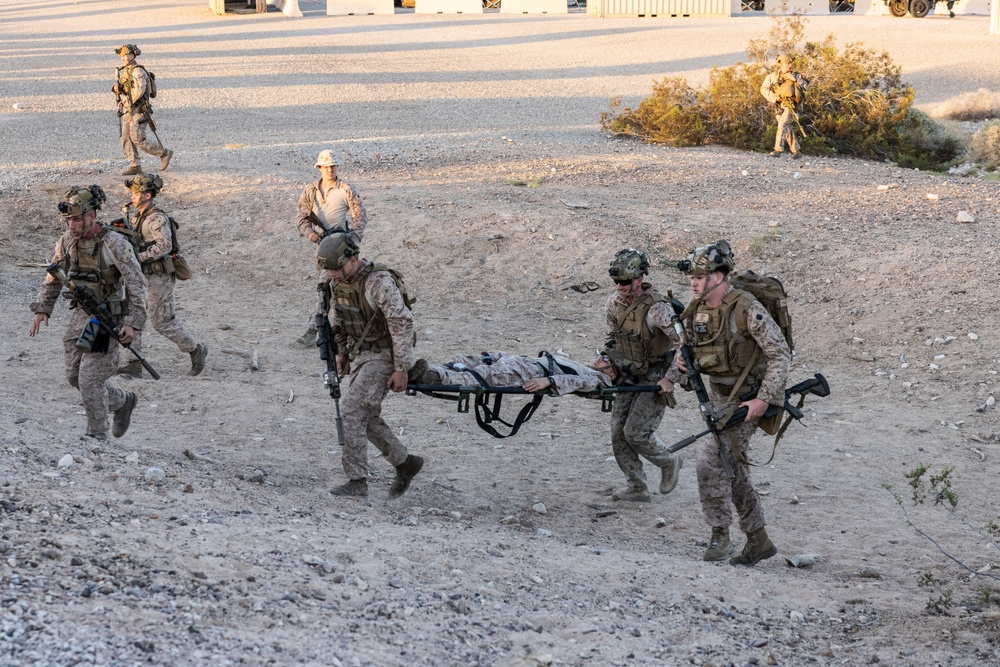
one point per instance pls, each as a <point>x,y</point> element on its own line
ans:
<point>181,269</point>
<point>771,293</point>
<point>122,226</point>
<point>151,88</point>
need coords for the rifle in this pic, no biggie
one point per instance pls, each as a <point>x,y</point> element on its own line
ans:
<point>816,385</point>
<point>98,310</point>
<point>328,352</point>
<point>118,98</point>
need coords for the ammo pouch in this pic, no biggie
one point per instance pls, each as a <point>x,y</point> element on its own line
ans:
<point>118,307</point>
<point>157,266</point>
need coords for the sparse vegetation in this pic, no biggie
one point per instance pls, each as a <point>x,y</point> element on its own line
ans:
<point>983,104</point>
<point>856,105</point>
<point>984,147</point>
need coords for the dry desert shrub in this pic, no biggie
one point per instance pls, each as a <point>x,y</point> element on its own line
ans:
<point>984,147</point>
<point>856,105</point>
<point>983,104</point>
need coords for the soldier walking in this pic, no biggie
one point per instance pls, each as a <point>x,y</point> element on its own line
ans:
<point>133,88</point>
<point>326,206</point>
<point>155,237</point>
<point>373,326</point>
<point>785,89</point>
<point>103,260</point>
<point>739,346</point>
<point>641,339</point>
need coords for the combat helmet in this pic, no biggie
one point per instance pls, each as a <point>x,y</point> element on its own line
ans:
<point>78,200</point>
<point>716,256</point>
<point>145,183</point>
<point>334,250</point>
<point>629,264</point>
<point>127,48</point>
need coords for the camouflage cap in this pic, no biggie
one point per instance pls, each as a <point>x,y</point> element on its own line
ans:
<point>79,200</point>
<point>327,159</point>
<point>127,48</point>
<point>145,183</point>
<point>716,256</point>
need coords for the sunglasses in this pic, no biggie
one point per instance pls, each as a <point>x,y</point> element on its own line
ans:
<point>622,282</point>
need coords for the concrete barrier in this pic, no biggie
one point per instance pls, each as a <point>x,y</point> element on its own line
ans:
<point>534,7</point>
<point>359,7</point>
<point>449,7</point>
<point>288,7</point>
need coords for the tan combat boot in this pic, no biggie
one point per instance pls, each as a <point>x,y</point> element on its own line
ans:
<point>758,547</point>
<point>123,415</point>
<point>353,487</point>
<point>639,494</point>
<point>670,474</point>
<point>198,356</point>
<point>719,546</point>
<point>405,472</point>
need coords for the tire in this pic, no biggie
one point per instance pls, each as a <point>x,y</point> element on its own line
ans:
<point>919,8</point>
<point>897,8</point>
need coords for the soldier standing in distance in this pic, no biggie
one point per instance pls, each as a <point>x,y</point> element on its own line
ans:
<point>132,89</point>
<point>779,89</point>
<point>104,261</point>
<point>155,239</point>
<point>326,206</point>
<point>374,329</point>
<point>739,346</point>
<point>641,339</point>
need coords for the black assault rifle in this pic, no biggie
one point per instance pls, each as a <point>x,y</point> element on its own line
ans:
<point>98,310</point>
<point>328,353</point>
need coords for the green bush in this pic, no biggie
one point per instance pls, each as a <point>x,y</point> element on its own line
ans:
<point>856,105</point>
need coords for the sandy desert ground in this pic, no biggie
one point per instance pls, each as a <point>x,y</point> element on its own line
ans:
<point>241,556</point>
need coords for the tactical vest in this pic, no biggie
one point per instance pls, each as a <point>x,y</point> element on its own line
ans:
<point>641,347</point>
<point>85,264</point>
<point>164,264</point>
<point>721,353</point>
<point>365,327</point>
<point>125,83</point>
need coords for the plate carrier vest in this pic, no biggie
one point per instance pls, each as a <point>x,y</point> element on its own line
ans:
<point>641,347</point>
<point>85,263</point>
<point>721,353</point>
<point>365,327</point>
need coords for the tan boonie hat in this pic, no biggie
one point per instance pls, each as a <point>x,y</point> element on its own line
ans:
<point>327,159</point>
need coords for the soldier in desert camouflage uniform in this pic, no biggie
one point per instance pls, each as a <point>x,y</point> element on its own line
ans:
<point>732,336</point>
<point>132,90</point>
<point>155,239</point>
<point>499,369</point>
<point>373,327</point>
<point>326,206</point>
<point>777,89</point>
<point>104,261</point>
<point>642,339</point>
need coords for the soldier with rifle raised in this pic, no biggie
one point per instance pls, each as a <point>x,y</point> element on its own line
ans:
<point>100,270</point>
<point>133,88</point>
<point>730,337</point>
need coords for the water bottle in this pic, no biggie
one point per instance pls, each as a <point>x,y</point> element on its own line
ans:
<point>86,340</point>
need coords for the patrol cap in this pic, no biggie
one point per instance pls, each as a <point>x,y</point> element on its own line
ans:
<point>79,200</point>
<point>327,159</point>
<point>334,251</point>
<point>127,48</point>
<point>145,183</point>
<point>716,256</point>
<point>629,264</point>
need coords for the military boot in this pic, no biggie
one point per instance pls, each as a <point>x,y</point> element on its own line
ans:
<point>758,547</point>
<point>132,370</point>
<point>353,487</point>
<point>416,374</point>
<point>719,546</point>
<point>639,494</point>
<point>198,359</point>
<point>165,159</point>
<point>132,171</point>
<point>308,338</point>
<point>123,415</point>
<point>670,474</point>
<point>405,472</point>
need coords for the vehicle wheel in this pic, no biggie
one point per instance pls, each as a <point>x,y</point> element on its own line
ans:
<point>919,8</point>
<point>897,8</point>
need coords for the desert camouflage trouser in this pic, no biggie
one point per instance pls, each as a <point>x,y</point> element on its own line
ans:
<point>136,135</point>
<point>718,494</point>
<point>362,413</point>
<point>786,132</point>
<point>160,308</point>
<point>634,420</point>
<point>89,373</point>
